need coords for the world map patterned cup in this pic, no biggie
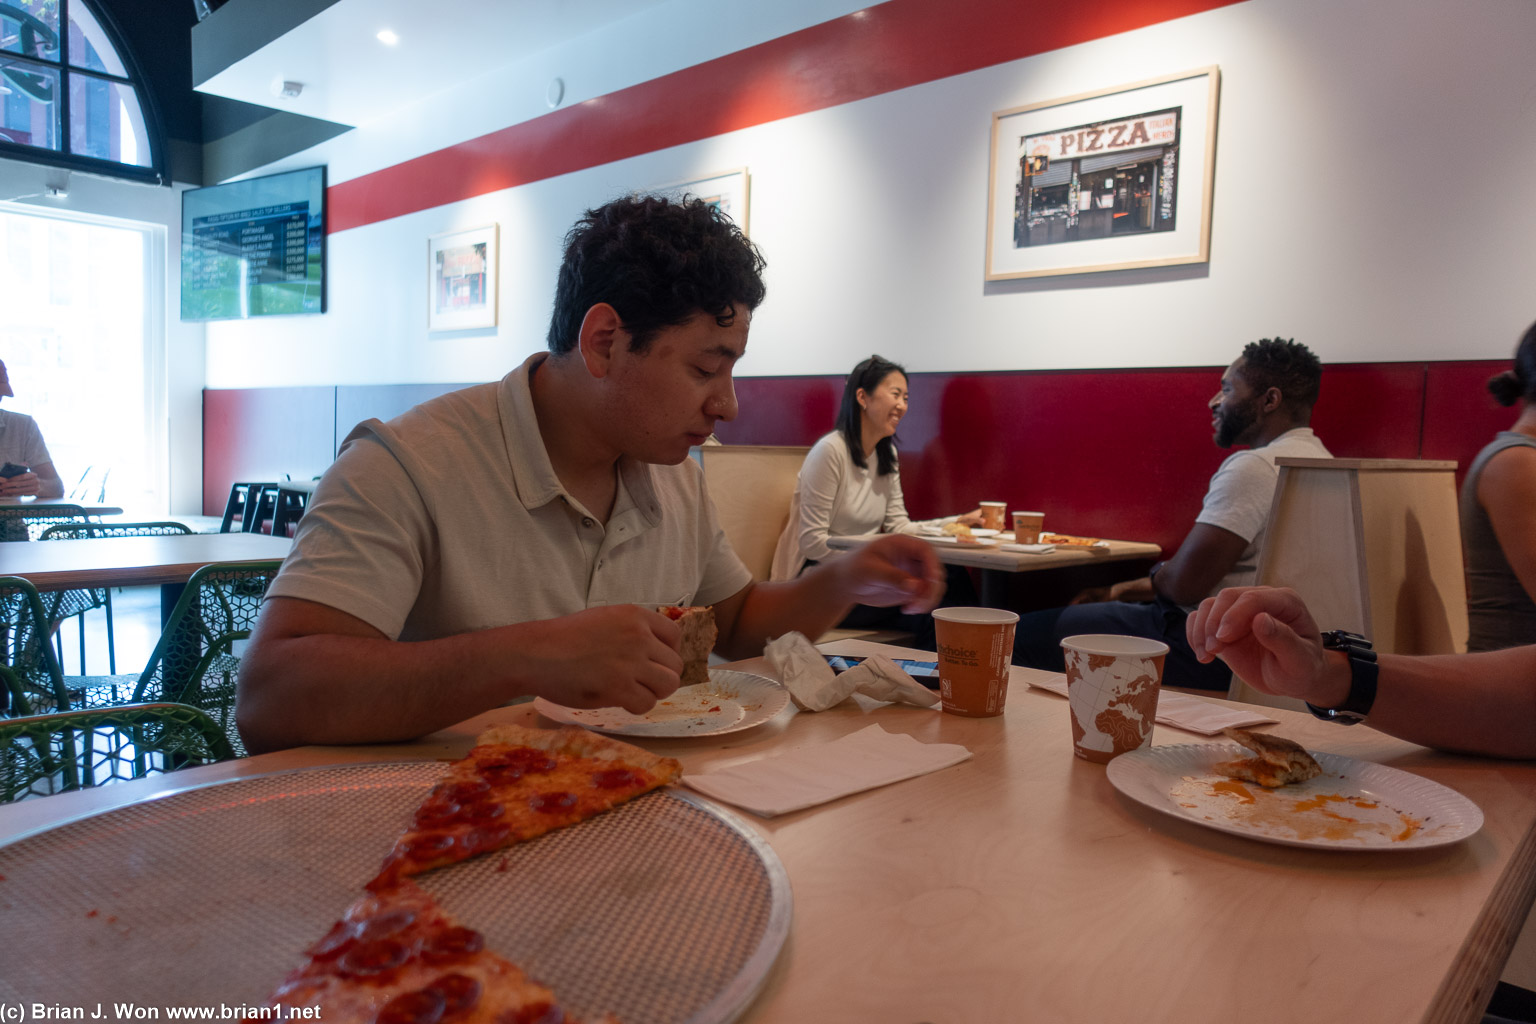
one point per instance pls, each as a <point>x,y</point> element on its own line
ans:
<point>1112,687</point>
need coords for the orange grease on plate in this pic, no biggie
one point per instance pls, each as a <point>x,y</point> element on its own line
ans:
<point>1278,811</point>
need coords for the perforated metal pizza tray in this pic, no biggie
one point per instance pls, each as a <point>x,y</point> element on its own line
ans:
<point>667,909</point>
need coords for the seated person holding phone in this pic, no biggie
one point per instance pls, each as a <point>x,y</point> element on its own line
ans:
<point>27,468</point>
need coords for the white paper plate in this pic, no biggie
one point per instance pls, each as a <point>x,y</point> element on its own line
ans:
<point>1353,805</point>
<point>947,539</point>
<point>729,702</point>
<point>982,531</point>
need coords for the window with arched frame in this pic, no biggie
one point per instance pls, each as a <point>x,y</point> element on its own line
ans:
<point>70,94</point>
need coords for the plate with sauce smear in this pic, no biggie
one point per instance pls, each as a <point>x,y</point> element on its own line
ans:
<point>1353,805</point>
<point>729,702</point>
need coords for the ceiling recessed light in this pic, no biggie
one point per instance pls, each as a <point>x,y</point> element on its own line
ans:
<point>387,37</point>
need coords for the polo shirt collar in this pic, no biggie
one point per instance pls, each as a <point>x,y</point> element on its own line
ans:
<point>532,472</point>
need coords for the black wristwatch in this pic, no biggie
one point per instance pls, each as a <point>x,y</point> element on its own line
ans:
<point>1362,678</point>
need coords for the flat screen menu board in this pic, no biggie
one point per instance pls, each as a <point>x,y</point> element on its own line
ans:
<point>254,247</point>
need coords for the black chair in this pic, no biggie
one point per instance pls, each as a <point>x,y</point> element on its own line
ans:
<point>241,508</point>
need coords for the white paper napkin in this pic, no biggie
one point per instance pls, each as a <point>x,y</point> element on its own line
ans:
<point>1028,549</point>
<point>808,776</point>
<point>1180,710</point>
<point>815,687</point>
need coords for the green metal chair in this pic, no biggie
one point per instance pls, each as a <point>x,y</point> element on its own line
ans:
<point>196,661</point>
<point>29,676</point>
<point>63,604</point>
<point>27,522</point>
<point>45,754</point>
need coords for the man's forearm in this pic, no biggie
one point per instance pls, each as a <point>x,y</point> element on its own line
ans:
<point>335,689</point>
<point>811,603</point>
<point>1471,702</point>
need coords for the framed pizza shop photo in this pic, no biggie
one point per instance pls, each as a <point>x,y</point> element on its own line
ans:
<point>1107,180</point>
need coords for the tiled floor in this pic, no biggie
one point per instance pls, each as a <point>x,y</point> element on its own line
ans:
<point>135,623</point>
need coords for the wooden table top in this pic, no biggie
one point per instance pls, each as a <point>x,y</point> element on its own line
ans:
<point>1019,885</point>
<point>132,561</point>
<point>89,508</point>
<point>1020,561</point>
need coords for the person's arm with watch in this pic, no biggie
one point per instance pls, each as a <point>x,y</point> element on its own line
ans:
<point>1473,703</point>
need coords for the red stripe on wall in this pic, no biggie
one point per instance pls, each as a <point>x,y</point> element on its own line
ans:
<point>880,49</point>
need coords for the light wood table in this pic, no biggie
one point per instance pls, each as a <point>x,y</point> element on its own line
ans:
<point>991,559</point>
<point>133,561</point>
<point>1019,885</point>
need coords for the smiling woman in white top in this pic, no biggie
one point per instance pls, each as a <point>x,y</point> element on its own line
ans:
<point>850,483</point>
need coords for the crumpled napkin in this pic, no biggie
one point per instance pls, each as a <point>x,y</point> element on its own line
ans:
<point>1179,710</point>
<point>815,687</point>
<point>806,776</point>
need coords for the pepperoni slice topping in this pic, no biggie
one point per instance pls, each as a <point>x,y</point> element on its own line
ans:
<point>500,774</point>
<point>377,957</point>
<point>462,791</point>
<point>437,813</point>
<point>552,803</point>
<point>421,1007</point>
<point>452,944</point>
<point>485,837</point>
<point>384,925</point>
<point>617,778</point>
<point>337,939</point>
<point>459,993</point>
<point>538,1013</point>
<point>528,759</point>
<point>428,845</point>
<point>481,812</point>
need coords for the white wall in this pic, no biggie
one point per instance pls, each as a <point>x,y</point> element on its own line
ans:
<point>1370,200</point>
<point>181,369</point>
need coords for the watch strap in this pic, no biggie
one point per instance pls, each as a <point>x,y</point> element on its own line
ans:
<point>1363,672</point>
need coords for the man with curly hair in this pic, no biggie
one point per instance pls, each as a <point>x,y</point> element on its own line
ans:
<point>515,538</point>
<point>1265,402</point>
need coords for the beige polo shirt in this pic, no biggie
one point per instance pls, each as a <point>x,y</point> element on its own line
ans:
<point>450,518</point>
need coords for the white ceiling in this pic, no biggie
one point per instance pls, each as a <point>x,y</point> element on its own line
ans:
<point>350,77</point>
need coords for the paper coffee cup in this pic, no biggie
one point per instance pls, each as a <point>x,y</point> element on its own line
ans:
<point>1112,687</point>
<point>975,653</point>
<point>1026,527</point>
<point>992,514</point>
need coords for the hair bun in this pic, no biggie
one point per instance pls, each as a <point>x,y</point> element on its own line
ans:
<point>1506,387</point>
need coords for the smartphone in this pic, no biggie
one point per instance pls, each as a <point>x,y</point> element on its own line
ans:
<point>10,469</point>
<point>925,672</point>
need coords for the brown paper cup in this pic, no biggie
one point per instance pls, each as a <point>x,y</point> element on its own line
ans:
<point>992,514</point>
<point>975,653</point>
<point>1026,527</point>
<point>1112,686</point>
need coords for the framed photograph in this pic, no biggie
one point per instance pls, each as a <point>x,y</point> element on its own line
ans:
<point>726,190</point>
<point>1106,180</point>
<point>461,280</point>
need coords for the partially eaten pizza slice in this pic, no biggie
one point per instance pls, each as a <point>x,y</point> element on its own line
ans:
<point>518,783</point>
<point>396,957</point>
<point>1280,761</point>
<point>699,633</point>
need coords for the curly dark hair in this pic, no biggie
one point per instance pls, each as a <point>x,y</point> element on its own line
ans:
<point>657,262</point>
<point>1520,380</point>
<point>1284,364</point>
<point>866,377</point>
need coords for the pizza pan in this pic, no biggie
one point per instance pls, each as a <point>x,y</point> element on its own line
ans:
<point>666,909</point>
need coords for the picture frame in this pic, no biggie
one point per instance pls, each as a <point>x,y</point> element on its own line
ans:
<point>728,190</point>
<point>1115,179</point>
<point>462,279</point>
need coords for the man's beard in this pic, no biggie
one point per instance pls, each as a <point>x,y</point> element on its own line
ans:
<point>1233,424</point>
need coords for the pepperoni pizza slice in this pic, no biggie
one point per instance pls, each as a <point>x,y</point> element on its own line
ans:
<point>396,957</point>
<point>518,783</point>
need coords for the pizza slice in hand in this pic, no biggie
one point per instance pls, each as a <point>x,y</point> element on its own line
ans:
<point>396,957</point>
<point>518,783</point>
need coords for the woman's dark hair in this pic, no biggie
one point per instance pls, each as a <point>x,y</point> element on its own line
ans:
<point>866,376</point>
<point>657,262</point>
<point>1520,380</point>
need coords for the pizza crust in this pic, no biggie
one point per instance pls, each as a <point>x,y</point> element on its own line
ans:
<point>579,742</point>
